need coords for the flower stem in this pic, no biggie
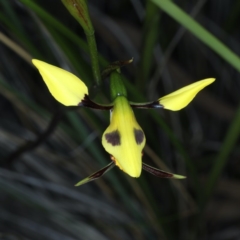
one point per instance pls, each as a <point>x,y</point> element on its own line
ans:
<point>79,10</point>
<point>94,57</point>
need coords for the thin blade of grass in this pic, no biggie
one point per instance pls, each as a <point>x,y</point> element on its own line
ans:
<point>150,28</point>
<point>228,144</point>
<point>200,32</point>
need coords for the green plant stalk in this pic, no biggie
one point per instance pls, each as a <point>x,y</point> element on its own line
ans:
<point>94,58</point>
<point>201,33</point>
<point>81,67</point>
<point>79,10</point>
<point>116,85</point>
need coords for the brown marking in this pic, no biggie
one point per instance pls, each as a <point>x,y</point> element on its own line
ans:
<point>80,10</point>
<point>113,138</point>
<point>87,102</point>
<point>101,172</point>
<point>139,136</point>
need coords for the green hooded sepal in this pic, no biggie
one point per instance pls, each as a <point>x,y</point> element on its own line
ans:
<point>117,87</point>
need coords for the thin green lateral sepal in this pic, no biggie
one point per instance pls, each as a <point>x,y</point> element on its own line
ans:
<point>160,173</point>
<point>96,175</point>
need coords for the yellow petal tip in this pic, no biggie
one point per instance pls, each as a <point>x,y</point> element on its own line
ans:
<point>65,87</point>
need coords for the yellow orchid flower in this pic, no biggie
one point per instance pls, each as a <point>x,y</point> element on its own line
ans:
<point>124,139</point>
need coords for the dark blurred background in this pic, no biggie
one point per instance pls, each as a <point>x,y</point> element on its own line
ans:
<point>38,170</point>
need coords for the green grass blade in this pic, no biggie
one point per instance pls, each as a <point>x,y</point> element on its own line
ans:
<point>150,36</point>
<point>50,20</point>
<point>200,32</point>
<point>11,19</point>
<point>222,157</point>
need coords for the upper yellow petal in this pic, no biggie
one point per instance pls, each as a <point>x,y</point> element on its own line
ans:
<point>63,85</point>
<point>124,138</point>
<point>182,97</point>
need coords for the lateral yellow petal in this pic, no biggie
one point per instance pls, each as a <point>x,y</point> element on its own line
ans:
<point>124,138</point>
<point>63,85</point>
<point>182,97</point>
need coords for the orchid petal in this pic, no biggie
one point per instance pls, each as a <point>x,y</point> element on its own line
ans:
<point>65,87</point>
<point>124,138</point>
<point>182,97</point>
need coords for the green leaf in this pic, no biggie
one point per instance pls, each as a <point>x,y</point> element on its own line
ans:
<point>200,32</point>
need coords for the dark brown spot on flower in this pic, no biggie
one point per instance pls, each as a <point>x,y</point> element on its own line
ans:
<point>139,135</point>
<point>113,138</point>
